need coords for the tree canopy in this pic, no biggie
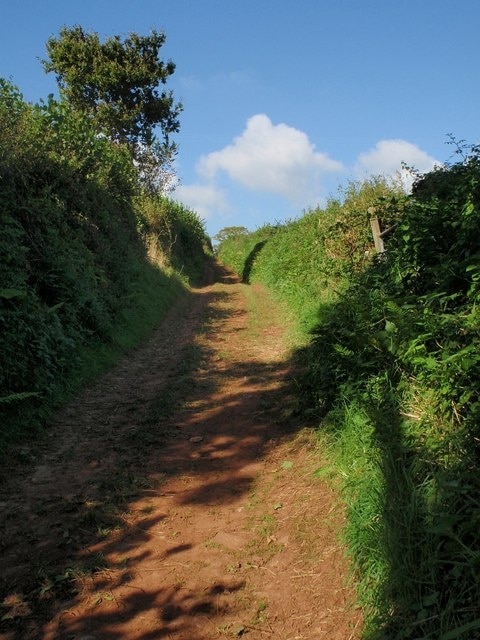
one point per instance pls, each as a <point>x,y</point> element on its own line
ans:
<point>116,83</point>
<point>229,232</point>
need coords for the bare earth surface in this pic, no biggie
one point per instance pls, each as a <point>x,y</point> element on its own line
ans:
<point>176,498</point>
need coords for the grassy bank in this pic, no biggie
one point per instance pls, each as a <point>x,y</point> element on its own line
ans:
<point>391,372</point>
<point>89,261</point>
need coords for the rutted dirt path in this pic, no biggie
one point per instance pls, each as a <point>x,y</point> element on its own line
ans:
<point>177,499</point>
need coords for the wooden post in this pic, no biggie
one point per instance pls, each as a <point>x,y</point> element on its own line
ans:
<point>377,235</point>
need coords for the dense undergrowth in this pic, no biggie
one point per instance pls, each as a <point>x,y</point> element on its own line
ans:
<point>392,372</point>
<point>89,261</point>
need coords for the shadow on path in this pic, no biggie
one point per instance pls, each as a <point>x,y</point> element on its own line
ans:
<point>90,532</point>
<point>250,261</point>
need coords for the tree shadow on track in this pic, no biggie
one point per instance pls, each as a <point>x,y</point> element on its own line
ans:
<point>175,612</point>
<point>179,409</point>
<point>249,262</point>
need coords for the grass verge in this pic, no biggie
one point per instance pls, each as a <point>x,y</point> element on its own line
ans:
<point>151,294</point>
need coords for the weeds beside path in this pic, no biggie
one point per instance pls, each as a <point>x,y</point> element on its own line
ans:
<point>176,498</point>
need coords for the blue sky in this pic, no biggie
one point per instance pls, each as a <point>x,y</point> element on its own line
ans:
<point>284,100</point>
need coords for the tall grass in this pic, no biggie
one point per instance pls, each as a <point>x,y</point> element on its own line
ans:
<point>391,371</point>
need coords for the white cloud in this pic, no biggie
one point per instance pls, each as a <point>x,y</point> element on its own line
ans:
<point>274,158</point>
<point>386,159</point>
<point>205,199</point>
<point>280,160</point>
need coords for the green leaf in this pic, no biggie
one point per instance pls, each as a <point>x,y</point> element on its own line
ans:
<point>287,464</point>
<point>12,293</point>
<point>55,307</point>
<point>17,397</point>
<point>390,327</point>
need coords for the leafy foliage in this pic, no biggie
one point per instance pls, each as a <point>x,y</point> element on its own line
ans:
<point>309,261</point>
<point>174,234</point>
<point>72,259</point>
<point>116,85</point>
<point>228,233</point>
<point>392,374</point>
<point>402,347</point>
<point>115,82</point>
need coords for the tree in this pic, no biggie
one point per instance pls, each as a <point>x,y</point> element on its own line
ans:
<point>227,233</point>
<point>116,83</point>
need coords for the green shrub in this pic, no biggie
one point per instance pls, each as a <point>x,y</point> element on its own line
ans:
<point>174,234</point>
<point>401,348</point>
<point>391,372</point>
<point>310,261</point>
<point>72,260</point>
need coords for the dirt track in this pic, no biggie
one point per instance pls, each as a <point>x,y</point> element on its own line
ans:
<point>176,498</point>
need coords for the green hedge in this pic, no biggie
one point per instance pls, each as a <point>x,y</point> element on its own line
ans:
<point>392,372</point>
<point>72,249</point>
